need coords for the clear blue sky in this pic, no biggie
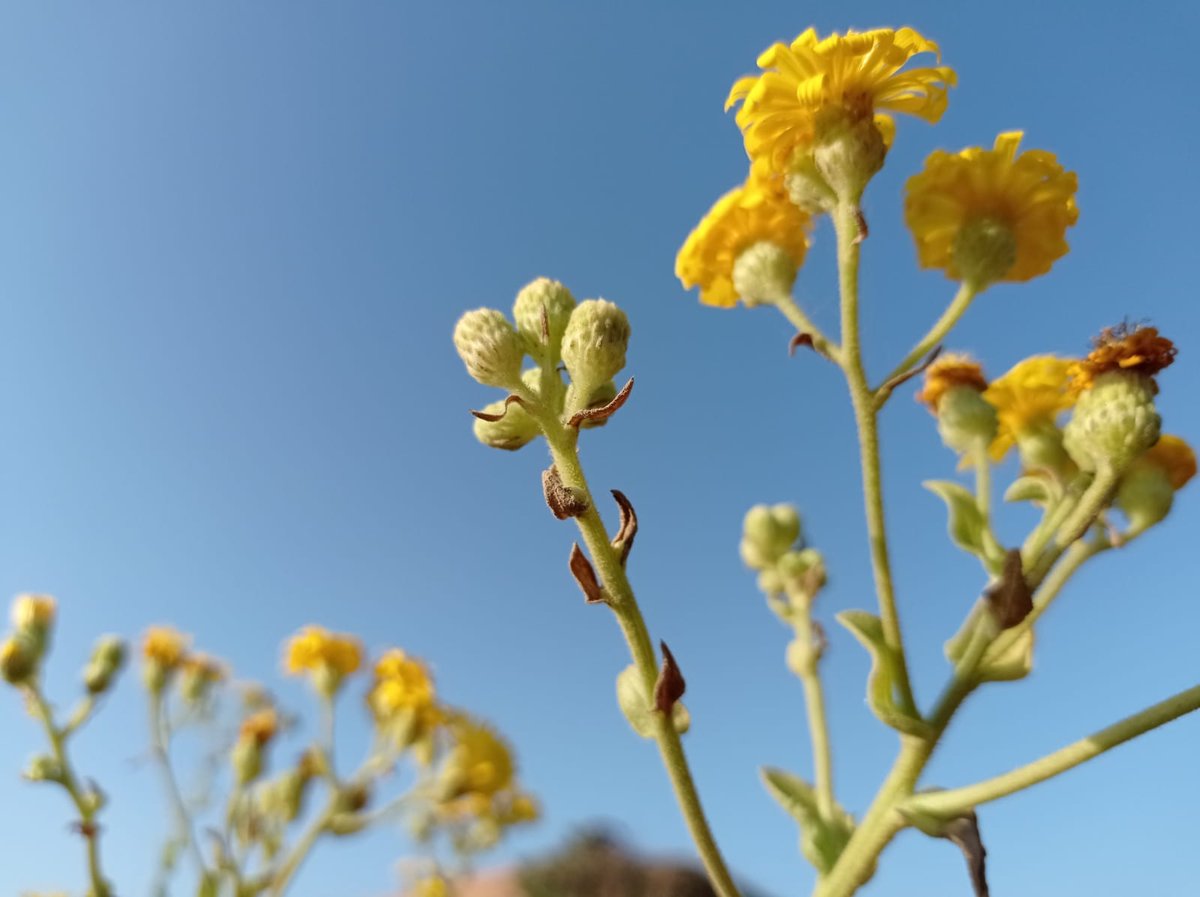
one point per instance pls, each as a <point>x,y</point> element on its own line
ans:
<point>234,239</point>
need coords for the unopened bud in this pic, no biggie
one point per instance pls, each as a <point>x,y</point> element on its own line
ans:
<point>247,760</point>
<point>18,659</point>
<point>551,298</point>
<point>1145,496</point>
<point>965,418</point>
<point>768,532</point>
<point>1041,447</point>
<point>489,347</point>
<point>848,153</point>
<point>33,616</point>
<point>594,343</point>
<point>763,274</point>
<point>803,571</point>
<point>1114,422</point>
<point>984,251</point>
<point>516,429</point>
<point>108,656</point>
<point>43,768</point>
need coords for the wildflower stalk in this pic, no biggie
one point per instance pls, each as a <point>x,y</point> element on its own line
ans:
<point>160,750</point>
<point>846,219</point>
<point>804,324</point>
<point>983,497</point>
<point>954,311</point>
<point>814,702</point>
<point>70,783</point>
<point>563,449</point>
<point>303,847</point>
<point>961,799</point>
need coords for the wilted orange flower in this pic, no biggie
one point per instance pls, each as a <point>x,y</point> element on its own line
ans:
<point>949,370</point>
<point>1137,349</point>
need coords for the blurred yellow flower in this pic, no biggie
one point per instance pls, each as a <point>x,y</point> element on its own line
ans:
<point>1139,350</point>
<point>992,210</point>
<point>480,763</point>
<point>849,77</point>
<point>1174,457</point>
<point>260,727</point>
<point>165,646</point>
<point>949,370</point>
<point>317,650</point>
<point>433,886</point>
<point>33,611</point>
<point>1029,396</point>
<point>401,683</point>
<point>743,217</point>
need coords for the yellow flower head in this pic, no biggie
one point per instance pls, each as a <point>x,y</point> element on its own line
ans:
<point>260,727</point>
<point>433,886</point>
<point>165,646</point>
<point>855,76</point>
<point>205,666</point>
<point>317,650</point>
<point>33,611</point>
<point>401,683</point>
<point>1137,349</point>
<point>481,761</point>
<point>747,215</point>
<point>1028,201</point>
<point>951,369</point>
<point>1032,394</point>
<point>1174,457</point>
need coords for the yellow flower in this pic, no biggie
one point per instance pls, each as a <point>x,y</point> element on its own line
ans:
<point>33,611</point>
<point>850,78</point>
<point>1139,350</point>
<point>480,763</point>
<point>164,646</point>
<point>1027,398</point>
<point>745,216</point>
<point>317,650</point>
<point>433,886</point>
<point>998,215</point>
<point>260,727</point>
<point>401,683</point>
<point>951,369</point>
<point>1174,457</point>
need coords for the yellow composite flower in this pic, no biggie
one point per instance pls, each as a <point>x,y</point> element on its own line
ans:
<point>482,762</point>
<point>1031,196</point>
<point>746,215</point>
<point>1030,395</point>
<point>1174,457</point>
<point>401,683</point>
<point>165,646</point>
<point>949,370</point>
<point>316,649</point>
<point>260,727</point>
<point>30,611</point>
<point>433,886</point>
<point>1137,349</point>
<point>854,76</point>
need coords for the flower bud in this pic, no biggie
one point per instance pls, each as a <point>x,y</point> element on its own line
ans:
<point>848,153</point>
<point>1041,447</point>
<point>1114,422</point>
<point>803,571</point>
<point>108,656</point>
<point>33,616</point>
<point>594,343</point>
<point>763,274</point>
<point>514,430</point>
<point>247,760</point>
<point>43,768</point>
<point>807,188</point>
<point>18,659</point>
<point>801,657</point>
<point>984,251</point>
<point>1148,488</point>
<point>557,302</point>
<point>489,347</point>
<point>767,532</point>
<point>965,418</point>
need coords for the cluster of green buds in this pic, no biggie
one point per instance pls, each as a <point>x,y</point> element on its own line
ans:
<point>588,339</point>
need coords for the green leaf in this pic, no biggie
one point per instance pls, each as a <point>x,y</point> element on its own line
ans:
<point>639,710</point>
<point>966,524</point>
<point>821,840</point>
<point>1035,488</point>
<point>881,684</point>
<point>1014,662</point>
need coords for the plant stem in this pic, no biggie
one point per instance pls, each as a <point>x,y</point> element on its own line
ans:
<point>814,703</point>
<point>86,810</point>
<point>954,311</point>
<point>160,748</point>
<point>303,847</point>
<point>563,449</point>
<point>983,499</point>
<point>846,224</point>
<point>803,323</point>
<point>961,799</point>
<point>1091,504</point>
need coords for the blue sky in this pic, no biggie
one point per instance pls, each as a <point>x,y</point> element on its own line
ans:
<point>234,240</point>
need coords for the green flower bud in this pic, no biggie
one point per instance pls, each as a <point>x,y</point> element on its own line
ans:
<point>594,343</point>
<point>513,431</point>
<point>1041,447</point>
<point>43,768</point>
<point>848,153</point>
<point>597,397</point>
<point>18,659</point>
<point>803,570</point>
<point>247,760</point>
<point>1145,496</point>
<point>965,418</point>
<point>558,303</point>
<point>770,582</point>
<point>801,657</point>
<point>1114,422</point>
<point>763,274</point>
<point>489,347</point>
<point>807,188</point>
<point>767,532</point>
<point>984,251</point>
<point>108,656</point>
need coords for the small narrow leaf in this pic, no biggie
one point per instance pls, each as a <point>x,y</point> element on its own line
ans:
<point>881,683</point>
<point>966,523</point>
<point>581,569</point>
<point>821,840</point>
<point>492,418</point>
<point>604,412</point>
<point>1014,662</point>
<point>1035,488</point>
<point>623,541</point>
<point>670,685</point>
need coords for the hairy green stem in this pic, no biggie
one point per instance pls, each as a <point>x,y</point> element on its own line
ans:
<point>866,414</point>
<point>983,499</point>
<point>160,749</point>
<point>954,311</point>
<point>803,323</point>
<point>70,783</point>
<point>563,449</point>
<point>960,800</point>
<point>1081,518</point>
<point>303,846</point>
<point>814,702</point>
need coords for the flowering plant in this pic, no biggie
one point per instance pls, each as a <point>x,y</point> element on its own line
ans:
<point>817,122</point>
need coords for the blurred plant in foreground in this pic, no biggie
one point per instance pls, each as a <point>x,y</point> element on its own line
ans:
<point>817,125</point>
<point>459,787</point>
